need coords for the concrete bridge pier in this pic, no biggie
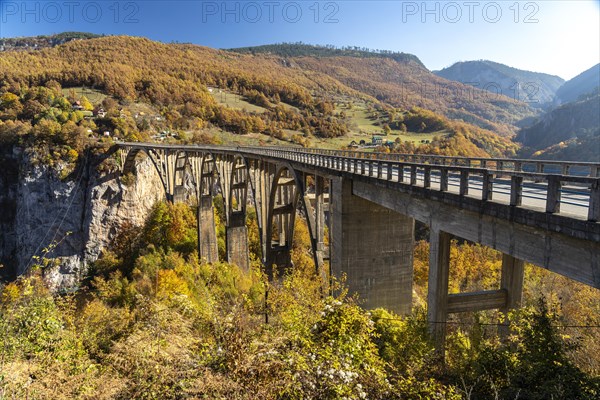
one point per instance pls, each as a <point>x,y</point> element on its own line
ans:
<point>513,274</point>
<point>178,196</point>
<point>373,246</point>
<point>440,303</point>
<point>237,240</point>
<point>319,222</point>
<point>207,235</point>
<point>279,262</point>
<point>437,289</point>
<point>316,209</point>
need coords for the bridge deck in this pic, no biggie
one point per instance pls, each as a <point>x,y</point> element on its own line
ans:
<point>569,190</point>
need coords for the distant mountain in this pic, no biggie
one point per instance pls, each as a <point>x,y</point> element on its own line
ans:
<point>584,83</point>
<point>569,132</point>
<point>536,89</point>
<point>41,42</point>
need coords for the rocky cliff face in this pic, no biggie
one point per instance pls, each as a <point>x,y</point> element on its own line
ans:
<point>70,219</point>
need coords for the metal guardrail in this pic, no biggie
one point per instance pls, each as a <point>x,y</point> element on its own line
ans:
<point>498,164</point>
<point>418,170</point>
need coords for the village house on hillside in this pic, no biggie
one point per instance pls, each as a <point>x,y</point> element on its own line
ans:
<point>376,140</point>
<point>99,112</point>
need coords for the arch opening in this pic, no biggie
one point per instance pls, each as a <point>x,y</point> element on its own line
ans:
<point>129,165</point>
<point>284,197</point>
<point>238,191</point>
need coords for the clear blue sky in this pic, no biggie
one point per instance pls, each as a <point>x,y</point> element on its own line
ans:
<point>552,36</point>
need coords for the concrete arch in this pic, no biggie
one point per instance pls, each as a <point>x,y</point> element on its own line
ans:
<point>238,186</point>
<point>129,164</point>
<point>207,235</point>
<point>182,168</point>
<point>208,175</point>
<point>286,196</point>
<point>281,192</point>
<point>184,176</point>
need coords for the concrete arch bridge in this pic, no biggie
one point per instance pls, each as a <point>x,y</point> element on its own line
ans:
<point>543,212</point>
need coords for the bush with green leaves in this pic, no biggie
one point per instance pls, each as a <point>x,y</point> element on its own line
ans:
<point>533,363</point>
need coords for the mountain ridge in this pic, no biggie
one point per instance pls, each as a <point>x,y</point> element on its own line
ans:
<point>43,41</point>
<point>585,83</point>
<point>309,50</point>
<point>535,88</point>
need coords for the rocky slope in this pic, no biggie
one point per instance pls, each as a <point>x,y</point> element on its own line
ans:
<point>71,220</point>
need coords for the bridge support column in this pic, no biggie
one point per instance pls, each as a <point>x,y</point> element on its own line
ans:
<point>279,262</point>
<point>437,289</point>
<point>373,246</point>
<point>178,195</point>
<point>513,273</point>
<point>320,220</point>
<point>207,235</point>
<point>237,241</point>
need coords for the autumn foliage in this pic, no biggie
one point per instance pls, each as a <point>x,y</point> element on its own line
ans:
<point>162,325</point>
<point>179,82</point>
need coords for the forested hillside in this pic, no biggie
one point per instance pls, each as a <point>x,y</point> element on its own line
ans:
<point>300,95</point>
<point>403,81</point>
<point>569,132</point>
<point>305,50</point>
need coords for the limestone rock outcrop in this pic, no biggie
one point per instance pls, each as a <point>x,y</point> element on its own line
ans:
<point>71,220</point>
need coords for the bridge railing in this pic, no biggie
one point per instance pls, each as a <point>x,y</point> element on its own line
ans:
<point>480,179</point>
<point>499,164</point>
<point>473,177</point>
